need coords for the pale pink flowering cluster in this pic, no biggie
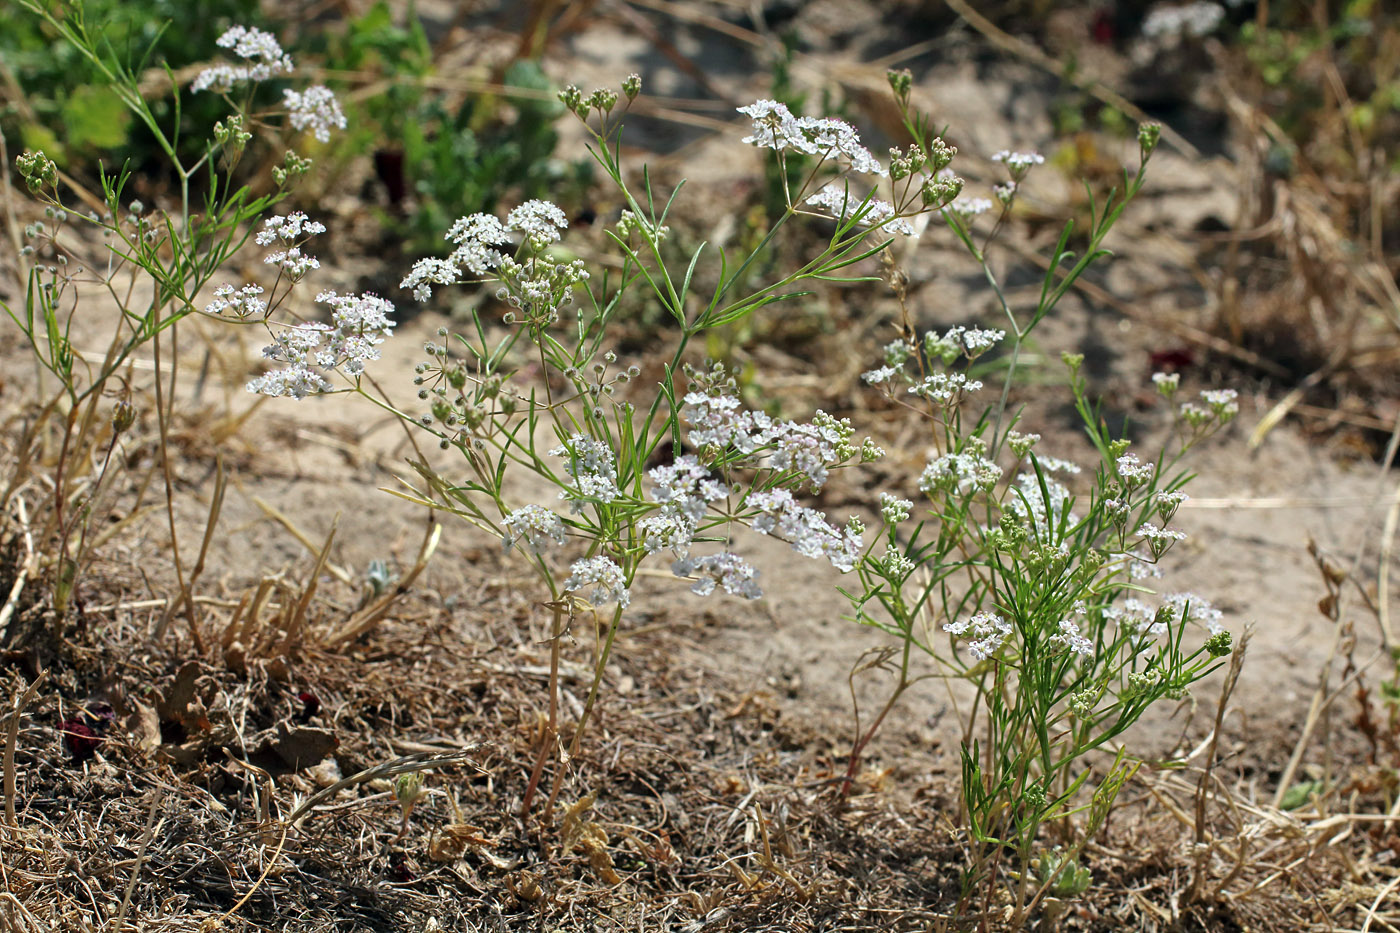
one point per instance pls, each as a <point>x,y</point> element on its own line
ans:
<point>260,49</point>
<point>593,467</point>
<point>729,570</point>
<point>775,127</point>
<point>873,213</point>
<point>536,525</point>
<point>685,489</point>
<point>986,629</point>
<point>359,324</point>
<point>604,575</point>
<point>807,530</point>
<point>315,109</point>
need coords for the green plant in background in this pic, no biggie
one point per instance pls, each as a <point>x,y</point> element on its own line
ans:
<point>1359,49</point>
<point>1031,595</point>
<point>450,159</point>
<point>71,110</point>
<point>157,262</point>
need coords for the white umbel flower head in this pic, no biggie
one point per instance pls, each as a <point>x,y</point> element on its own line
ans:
<point>315,109</point>
<point>604,575</point>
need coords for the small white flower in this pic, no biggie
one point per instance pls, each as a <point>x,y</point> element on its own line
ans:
<point>536,524</point>
<point>604,575</point>
<point>315,109</point>
<point>295,228</point>
<point>729,570</point>
<point>873,213</point>
<point>243,303</point>
<point>540,221</point>
<point>428,272</point>
<point>987,629</point>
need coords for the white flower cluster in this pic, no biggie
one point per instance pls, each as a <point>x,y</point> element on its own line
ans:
<point>987,629</point>
<point>292,230</point>
<point>315,109</point>
<point>1069,636</point>
<point>729,570</point>
<point>685,489</point>
<point>1132,472</point>
<point>1031,505</point>
<point>874,212</point>
<point>359,324</point>
<point>810,449</point>
<point>539,285</point>
<point>947,390</point>
<point>260,49</point>
<point>807,530</point>
<point>774,127</point>
<point>1018,161</point>
<point>536,525</point>
<point>1193,19</point>
<point>1193,608</point>
<point>604,575</point>
<point>243,303</point>
<point>959,473</point>
<point>966,208</point>
<point>1018,164</point>
<point>1136,616</point>
<point>593,466</point>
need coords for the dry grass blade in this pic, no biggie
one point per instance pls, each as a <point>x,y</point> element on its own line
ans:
<point>364,620</point>
<point>12,741</point>
<point>156,797</point>
<point>276,515</point>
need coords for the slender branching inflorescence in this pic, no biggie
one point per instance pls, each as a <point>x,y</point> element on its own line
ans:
<point>177,251</point>
<point>1024,573</point>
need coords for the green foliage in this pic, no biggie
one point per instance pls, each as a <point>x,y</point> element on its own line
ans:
<point>70,109</point>
<point>454,159</point>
